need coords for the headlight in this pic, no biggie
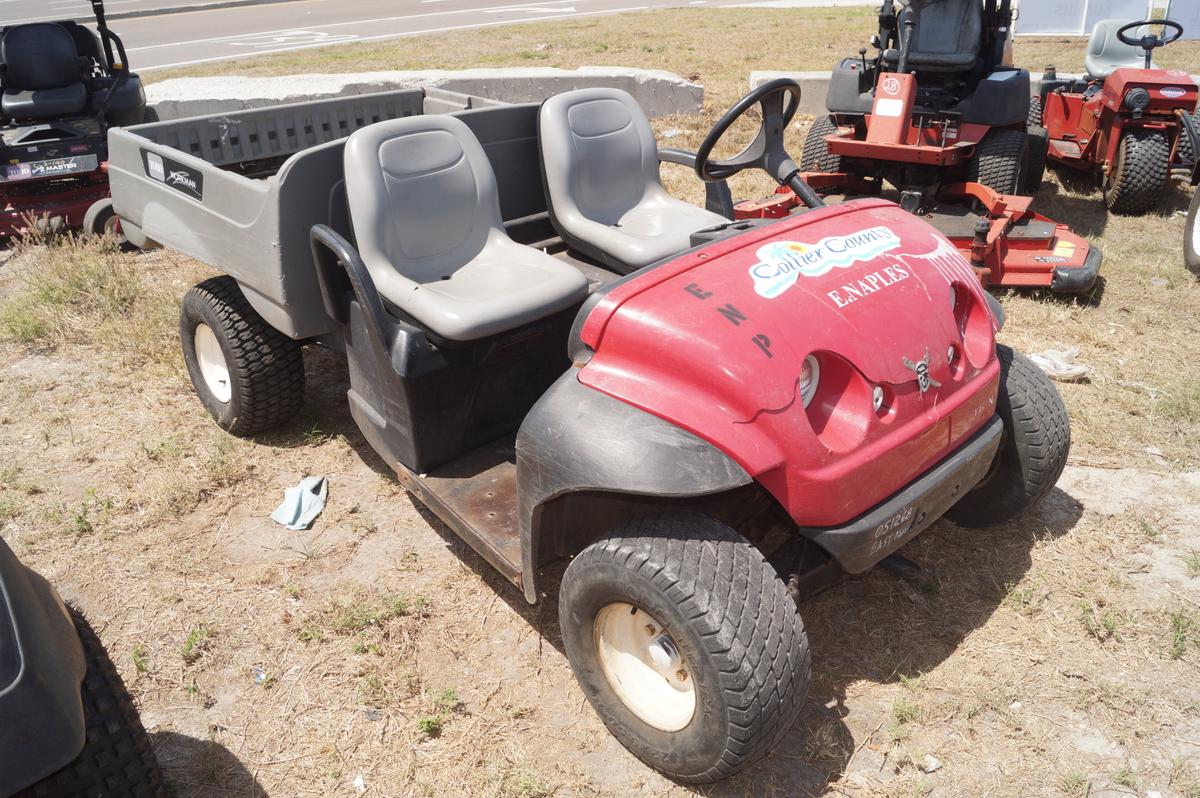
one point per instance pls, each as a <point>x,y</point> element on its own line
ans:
<point>1137,99</point>
<point>810,375</point>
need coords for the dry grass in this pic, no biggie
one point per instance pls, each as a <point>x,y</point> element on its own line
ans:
<point>1051,656</point>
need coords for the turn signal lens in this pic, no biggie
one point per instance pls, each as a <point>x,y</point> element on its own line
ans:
<point>810,376</point>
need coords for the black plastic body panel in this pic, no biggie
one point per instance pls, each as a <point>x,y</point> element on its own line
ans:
<point>862,543</point>
<point>422,402</point>
<point>850,87</point>
<point>1074,281</point>
<point>578,440</point>
<point>1001,100</point>
<point>41,670</point>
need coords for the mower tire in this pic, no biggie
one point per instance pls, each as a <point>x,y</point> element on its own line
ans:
<point>815,156</point>
<point>1033,451</point>
<point>686,643</point>
<point>1191,235</point>
<point>1138,177</point>
<point>117,757</point>
<point>101,220</point>
<point>1035,159</point>
<point>249,376</point>
<point>999,161</point>
<point>1035,113</point>
<point>1186,156</point>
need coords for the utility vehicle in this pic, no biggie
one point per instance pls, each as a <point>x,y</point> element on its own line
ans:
<point>1123,120</point>
<point>709,418</point>
<point>940,114</point>
<point>70,729</point>
<point>61,87</point>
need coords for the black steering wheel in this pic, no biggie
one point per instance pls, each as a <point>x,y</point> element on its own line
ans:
<point>1149,41</point>
<point>777,100</point>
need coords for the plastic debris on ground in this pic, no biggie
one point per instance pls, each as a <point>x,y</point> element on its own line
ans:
<point>1061,365</point>
<point>360,784</point>
<point>301,504</point>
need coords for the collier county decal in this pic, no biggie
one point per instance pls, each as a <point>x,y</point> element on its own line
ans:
<point>781,263</point>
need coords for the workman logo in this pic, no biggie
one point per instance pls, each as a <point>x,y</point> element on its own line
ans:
<point>183,179</point>
<point>781,263</point>
<point>921,369</point>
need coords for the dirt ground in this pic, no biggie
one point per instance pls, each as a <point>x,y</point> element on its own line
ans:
<point>376,655</point>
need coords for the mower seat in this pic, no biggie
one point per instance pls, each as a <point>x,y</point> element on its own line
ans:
<point>43,73</point>
<point>426,217</point>
<point>947,37</point>
<point>600,164</point>
<point>1106,53</point>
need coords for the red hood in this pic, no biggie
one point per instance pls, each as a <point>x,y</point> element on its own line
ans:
<point>714,341</point>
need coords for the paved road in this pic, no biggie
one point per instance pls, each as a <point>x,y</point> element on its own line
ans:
<point>180,39</point>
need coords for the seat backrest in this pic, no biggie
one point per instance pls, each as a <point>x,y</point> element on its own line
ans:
<point>39,55</point>
<point>598,153</point>
<point>422,198</point>
<point>1106,53</point>
<point>947,36</point>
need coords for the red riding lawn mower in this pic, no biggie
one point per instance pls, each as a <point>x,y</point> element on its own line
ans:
<point>62,86</point>
<point>940,114</point>
<point>1123,119</point>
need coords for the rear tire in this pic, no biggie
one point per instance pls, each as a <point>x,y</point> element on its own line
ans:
<point>816,156</point>
<point>999,161</point>
<point>1033,451</point>
<point>117,757</point>
<point>1138,177</point>
<point>1035,159</point>
<point>1035,113</point>
<point>1187,157</point>
<point>248,375</point>
<point>1191,235</point>
<point>101,220</point>
<point>735,633</point>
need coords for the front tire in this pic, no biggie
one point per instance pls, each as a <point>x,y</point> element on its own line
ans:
<point>999,161</point>
<point>1033,451</point>
<point>1138,178</point>
<point>1035,159</point>
<point>117,757</point>
<point>248,375</point>
<point>815,157</point>
<point>686,643</point>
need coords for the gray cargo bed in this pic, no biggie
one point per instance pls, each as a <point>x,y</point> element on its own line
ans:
<point>240,191</point>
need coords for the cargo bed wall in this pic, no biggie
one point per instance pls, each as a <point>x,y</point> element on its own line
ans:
<point>240,191</point>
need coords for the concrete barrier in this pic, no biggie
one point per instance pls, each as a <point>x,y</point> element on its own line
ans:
<point>815,85</point>
<point>659,93</point>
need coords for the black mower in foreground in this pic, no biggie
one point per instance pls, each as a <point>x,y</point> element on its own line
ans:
<point>68,728</point>
<point>61,87</point>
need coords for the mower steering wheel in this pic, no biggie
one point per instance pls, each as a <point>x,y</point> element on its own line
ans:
<point>1149,42</point>
<point>778,100</point>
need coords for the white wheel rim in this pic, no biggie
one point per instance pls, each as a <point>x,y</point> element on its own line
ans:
<point>644,667</point>
<point>1196,230</point>
<point>213,369</point>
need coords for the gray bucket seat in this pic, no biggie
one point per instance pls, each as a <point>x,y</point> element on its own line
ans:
<point>1106,53</point>
<point>426,216</point>
<point>603,191</point>
<point>43,73</point>
<point>947,37</point>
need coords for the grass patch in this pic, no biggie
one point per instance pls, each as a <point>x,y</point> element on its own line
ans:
<point>359,615</point>
<point>76,290</point>
<point>905,712</point>
<point>1192,563</point>
<point>196,643</point>
<point>141,659</point>
<point>523,783</point>
<point>1074,785</point>
<point>1183,630</point>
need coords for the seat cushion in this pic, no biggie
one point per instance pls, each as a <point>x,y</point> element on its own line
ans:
<point>947,36</point>
<point>40,55</point>
<point>600,164</point>
<point>1106,53</point>
<point>426,219</point>
<point>44,103</point>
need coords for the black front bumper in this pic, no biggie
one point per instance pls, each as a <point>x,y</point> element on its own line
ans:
<point>1076,281</point>
<point>41,670</point>
<point>862,543</point>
